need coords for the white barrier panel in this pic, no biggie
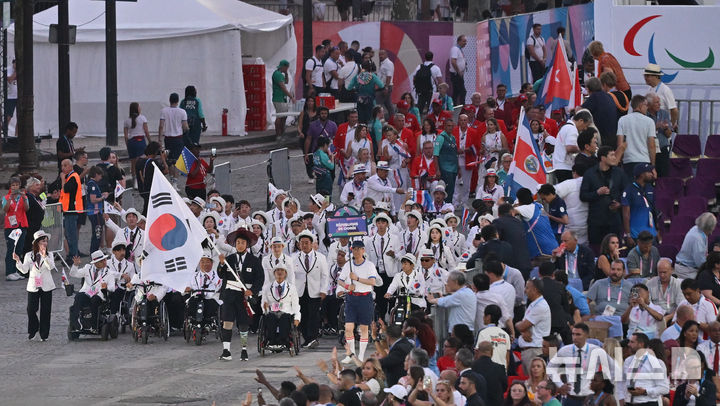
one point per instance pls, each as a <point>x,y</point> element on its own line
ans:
<point>222,178</point>
<point>52,224</point>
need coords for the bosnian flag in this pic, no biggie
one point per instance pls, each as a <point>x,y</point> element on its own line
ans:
<point>557,85</point>
<point>526,170</point>
<point>173,238</point>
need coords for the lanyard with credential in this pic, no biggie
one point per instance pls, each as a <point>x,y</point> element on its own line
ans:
<point>619,293</point>
<point>651,221</point>
<point>667,291</point>
<point>640,258</point>
<point>567,264</point>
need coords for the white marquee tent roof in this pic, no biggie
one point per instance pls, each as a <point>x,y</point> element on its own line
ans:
<point>139,20</point>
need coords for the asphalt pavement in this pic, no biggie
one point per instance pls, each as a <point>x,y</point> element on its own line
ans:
<point>122,372</point>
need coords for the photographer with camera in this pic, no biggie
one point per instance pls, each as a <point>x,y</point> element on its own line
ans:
<point>642,315</point>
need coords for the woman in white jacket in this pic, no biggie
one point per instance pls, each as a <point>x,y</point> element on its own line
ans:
<point>39,263</point>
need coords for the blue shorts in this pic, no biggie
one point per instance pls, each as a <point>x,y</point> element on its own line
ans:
<point>175,146</point>
<point>359,309</point>
<point>136,147</point>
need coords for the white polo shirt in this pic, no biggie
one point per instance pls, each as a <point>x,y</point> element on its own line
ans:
<point>387,69</point>
<point>316,66</point>
<point>537,313</point>
<point>457,53</point>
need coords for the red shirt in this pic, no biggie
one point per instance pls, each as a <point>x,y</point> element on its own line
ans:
<point>198,180</point>
<point>446,362</point>
<point>481,128</point>
<point>551,126</point>
<point>15,207</point>
<point>419,167</point>
<point>439,120</point>
<point>607,60</point>
<point>471,140</point>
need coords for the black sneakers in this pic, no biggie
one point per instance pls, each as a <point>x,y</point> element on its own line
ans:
<point>225,356</point>
<point>244,355</point>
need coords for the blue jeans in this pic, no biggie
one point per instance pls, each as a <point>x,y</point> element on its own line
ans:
<point>97,223</point>
<point>10,244</point>
<point>71,233</point>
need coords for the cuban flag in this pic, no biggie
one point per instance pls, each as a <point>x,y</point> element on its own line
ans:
<point>557,85</point>
<point>526,170</point>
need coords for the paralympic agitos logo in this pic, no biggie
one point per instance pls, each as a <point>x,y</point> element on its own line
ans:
<point>629,44</point>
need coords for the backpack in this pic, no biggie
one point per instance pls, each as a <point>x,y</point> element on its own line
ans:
<point>305,83</point>
<point>423,79</point>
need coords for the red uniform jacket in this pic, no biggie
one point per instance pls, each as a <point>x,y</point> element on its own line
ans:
<point>419,167</point>
<point>439,120</point>
<point>410,139</point>
<point>411,122</point>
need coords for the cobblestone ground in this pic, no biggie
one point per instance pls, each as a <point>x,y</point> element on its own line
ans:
<point>92,372</point>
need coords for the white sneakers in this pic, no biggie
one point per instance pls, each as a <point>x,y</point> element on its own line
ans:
<point>14,277</point>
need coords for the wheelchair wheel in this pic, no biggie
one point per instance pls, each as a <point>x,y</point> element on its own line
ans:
<point>72,336</point>
<point>105,331</point>
<point>261,336</point>
<point>197,335</point>
<point>294,345</point>
<point>164,329</point>
<point>187,330</point>
<point>143,333</point>
<point>114,327</point>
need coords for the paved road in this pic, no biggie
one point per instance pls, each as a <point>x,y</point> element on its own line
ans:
<point>92,372</point>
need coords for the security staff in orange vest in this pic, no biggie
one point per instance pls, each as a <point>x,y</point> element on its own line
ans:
<point>72,204</point>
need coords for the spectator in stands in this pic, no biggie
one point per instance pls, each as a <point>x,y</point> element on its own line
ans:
<point>546,393</point>
<point>517,395</point>
<point>602,188</point>
<point>450,347</point>
<point>621,100</point>
<point>665,289</point>
<point>536,52</point>
<point>603,110</point>
<point>700,387</point>
<point>537,374</point>
<point>608,63</point>
<point>705,310</point>
<point>500,340</point>
<point>494,373</point>
<point>535,324</point>
<point>636,136</point>
<point>540,237</point>
<point>577,210</point>
<point>577,260</point>
<point>588,144</point>
<point>708,278</point>
<point>474,387</point>
<point>460,301</point>
<point>495,271</point>
<point>690,334</point>
<point>653,75</point>
<point>556,209</point>
<point>567,146</point>
<point>617,301</point>
<point>646,387</point>
<point>642,315</point>
<point>557,299</point>
<point>579,300</point>
<point>711,348</point>
<point>638,204</point>
<point>695,246</point>
<point>484,298</point>
<point>511,230</point>
<point>503,111</point>
<point>399,348</point>
<point>683,313</point>
<point>642,261</point>
<point>664,133</point>
<point>552,43</point>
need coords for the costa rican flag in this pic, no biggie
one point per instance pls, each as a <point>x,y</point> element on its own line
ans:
<point>527,169</point>
<point>465,218</point>
<point>423,198</point>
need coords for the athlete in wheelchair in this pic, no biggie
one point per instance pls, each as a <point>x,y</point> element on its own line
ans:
<point>149,315</point>
<point>90,312</point>
<point>201,308</point>
<point>408,289</point>
<point>123,270</point>
<point>281,315</point>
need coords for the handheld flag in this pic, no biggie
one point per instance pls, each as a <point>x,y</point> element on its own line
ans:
<point>185,161</point>
<point>526,170</point>
<point>465,218</point>
<point>173,238</point>
<point>118,190</point>
<point>423,198</point>
<point>15,234</point>
<point>110,209</point>
<point>557,85</point>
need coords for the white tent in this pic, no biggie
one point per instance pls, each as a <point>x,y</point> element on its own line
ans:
<point>163,46</point>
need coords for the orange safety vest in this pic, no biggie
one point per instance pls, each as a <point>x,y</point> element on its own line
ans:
<point>65,197</point>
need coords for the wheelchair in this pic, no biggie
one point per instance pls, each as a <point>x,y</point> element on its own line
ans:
<point>147,321</point>
<point>403,306</point>
<point>198,324</point>
<point>292,343</point>
<point>125,313</point>
<point>106,325</point>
